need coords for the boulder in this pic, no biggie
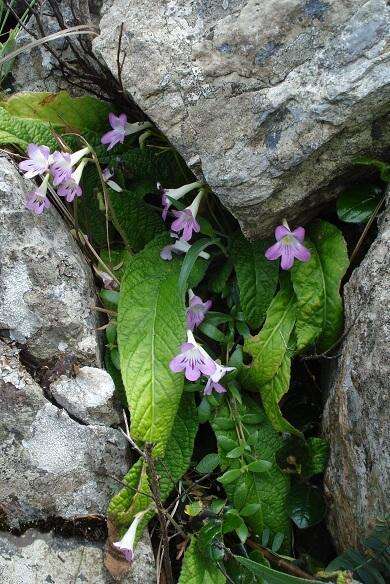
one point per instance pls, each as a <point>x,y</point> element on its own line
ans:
<point>47,292</point>
<point>89,397</point>
<point>49,558</point>
<point>51,466</point>
<point>268,101</point>
<point>356,415</point>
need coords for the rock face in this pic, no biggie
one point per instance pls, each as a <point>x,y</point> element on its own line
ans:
<point>50,464</point>
<point>46,558</point>
<point>356,419</point>
<point>268,100</point>
<point>46,288</point>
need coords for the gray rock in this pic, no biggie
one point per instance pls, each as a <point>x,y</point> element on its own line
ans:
<point>47,558</point>
<point>46,288</point>
<point>89,396</point>
<point>269,101</point>
<point>51,465</point>
<point>356,416</point>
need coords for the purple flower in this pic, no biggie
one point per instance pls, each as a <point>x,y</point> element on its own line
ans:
<point>62,165</point>
<point>107,176</point>
<point>36,200</point>
<point>127,544</point>
<point>176,194</point>
<point>197,310</point>
<point>288,246</point>
<point>180,246</point>
<point>193,360</point>
<point>186,220</point>
<point>38,161</point>
<point>120,129</point>
<point>71,187</point>
<point>213,380</point>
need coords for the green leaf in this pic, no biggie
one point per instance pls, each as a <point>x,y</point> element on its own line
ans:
<point>277,542</point>
<point>151,325</point>
<point>236,452</point>
<point>271,394</point>
<point>224,442</point>
<point>137,220</point>
<point>383,167</point>
<point>269,346</point>
<point>305,505</point>
<point>193,509</point>
<point>204,410</point>
<point>208,463</point>
<point>260,466</point>
<point>332,251</point>
<point>250,509</point>
<point>270,489</point>
<point>231,521</point>
<point>21,132</point>
<point>357,204</point>
<point>229,476</point>
<point>221,276</point>
<point>134,498</point>
<point>272,576</point>
<point>318,456</point>
<point>197,569</point>
<point>190,259</point>
<point>257,278</point>
<point>316,285</point>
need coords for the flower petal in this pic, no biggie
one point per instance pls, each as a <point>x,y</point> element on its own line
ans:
<point>274,252</point>
<point>287,257</point>
<point>281,231</point>
<point>299,233</point>
<point>301,252</point>
<point>177,364</point>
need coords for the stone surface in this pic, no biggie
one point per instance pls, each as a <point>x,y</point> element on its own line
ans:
<point>356,416</point>
<point>51,465</point>
<point>89,396</point>
<point>47,558</point>
<point>46,288</point>
<point>269,100</point>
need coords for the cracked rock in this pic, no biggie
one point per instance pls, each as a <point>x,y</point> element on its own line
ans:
<point>356,415</point>
<point>45,558</point>
<point>270,100</point>
<point>46,288</point>
<point>51,465</point>
<point>89,396</point>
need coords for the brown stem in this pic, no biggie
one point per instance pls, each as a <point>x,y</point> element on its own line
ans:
<point>279,562</point>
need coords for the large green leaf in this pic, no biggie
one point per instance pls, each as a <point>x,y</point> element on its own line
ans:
<point>137,220</point>
<point>316,285</point>
<point>257,278</point>
<point>21,131</point>
<point>305,505</point>
<point>357,204</point>
<point>151,326</point>
<point>197,569</point>
<point>270,575</point>
<point>269,489</point>
<point>333,256</point>
<point>269,346</point>
<point>135,496</point>
<point>273,391</point>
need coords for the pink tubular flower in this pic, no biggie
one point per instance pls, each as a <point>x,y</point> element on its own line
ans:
<point>196,310</point>
<point>289,246</point>
<point>186,220</point>
<point>120,129</point>
<point>62,165</point>
<point>213,380</point>
<point>176,194</point>
<point>193,360</point>
<point>107,176</point>
<point>38,161</point>
<point>71,188</point>
<point>180,246</point>
<point>127,544</point>
<point>37,201</point>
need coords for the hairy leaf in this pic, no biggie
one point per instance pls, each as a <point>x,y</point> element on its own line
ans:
<point>271,394</point>
<point>332,251</point>
<point>270,345</point>
<point>268,489</point>
<point>151,326</point>
<point>197,569</point>
<point>316,285</point>
<point>257,278</point>
<point>135,497</point>
<point>21,131</point>
<point>318,456</point>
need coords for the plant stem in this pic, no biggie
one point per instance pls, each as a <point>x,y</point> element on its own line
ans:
<point>279,562</point>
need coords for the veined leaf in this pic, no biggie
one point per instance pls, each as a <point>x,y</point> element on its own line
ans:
<point>316,285</point>
<point>269,346</point>
<point>257,278</point>
<point>318,456</point>
<point>268,489</point>
<point>272,576</point>
<point>305,505</point>
<point>135,497</point>
<point>21,132</point>
<point>138,222</point>
<point>332,252</point>
<point>271,394</point>
<point>197,569</point>
<point>151,326</point>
